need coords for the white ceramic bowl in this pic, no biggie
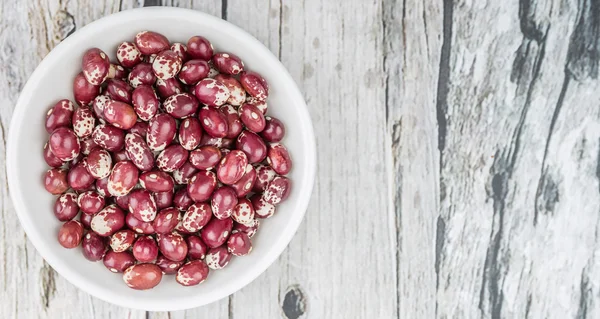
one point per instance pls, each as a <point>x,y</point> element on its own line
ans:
<point>52,80</point>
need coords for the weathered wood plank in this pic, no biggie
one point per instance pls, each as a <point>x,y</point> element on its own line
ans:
<point>519,132</point>
<point>29,287</point>
<point>412,39</point>
<point>335,56</point>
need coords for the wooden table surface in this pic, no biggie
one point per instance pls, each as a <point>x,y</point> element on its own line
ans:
<point>459,159</point>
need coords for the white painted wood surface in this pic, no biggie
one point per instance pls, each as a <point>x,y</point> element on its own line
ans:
<point>459,160</point>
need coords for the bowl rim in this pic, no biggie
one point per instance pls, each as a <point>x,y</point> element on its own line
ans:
<point>59,265</point>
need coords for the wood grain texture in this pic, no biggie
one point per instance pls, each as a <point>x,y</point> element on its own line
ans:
<point>459,159</point>
<point>519,160</point>
<point>317,276</point>
<point>413,44</point>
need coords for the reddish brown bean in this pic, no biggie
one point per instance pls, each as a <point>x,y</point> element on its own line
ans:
<point>149,42</point>
<point>145,249</point>
<point>164,199</point>
<point>234,124</point>
<point>122,179</point>
<point>83,91</point>
<point>216,232</point>
<point>83,122</point>
<point>213,141</point>
<point>252,145</point>
<point>214,122</point>
<point>90,202</point>
<point>122,201</point>
<point>120,155</point>
<point>120,115</point>
<point>228,63</point>
<point>128,55</point>
<point>262,209</point>
<point>65,207</point>
<point>166,64</point>
<point>201,186</point>
<point>171,158</point>
<point>183,174</point>
<point>166,88</point>
<point>196,217</point>
<point>122,240</point>
<point>157,181</point>
<point>252,118</point>
<point>255,85</point>
<point>145,102</point>
<point>199,47</point>
<point>139,226</point>
<point>192,273</point>
<point>76,160</point>
<point>218,257</point>
<point>211,92</point>
<point>85,220</point>
<point>59,115</point>
<point>161,132</point>
<point>70,234</point>
<point>94,246</point>
<point>118,90</point>
<point>64,144</point>
<point>248,230</point>
<point>181,199</point>
<point>142,276</point>
<point>239,244</point>
<point>279,158</point>
<point>140,128</point>
<point>142,205</point>
<point>181,105</point>
<point>79,178</point>
<point>232,167</point>
<point>213,72</point>
<point>173,246</point>
<point>223,201</point>
<point>108,221</point>
<point>261,105</point>
<point>243,212</point>
<point>102,186</point>
<point>237,94</point>
<point>98,105</point>
<point>168,266</point>
<point>181,50</point>
<point>274,130</point>
<point>179,228</point>
<point>206,157</point>
<point>141,74</point>
<point>117,72</point>
<point>118,261</point>
<point>277,191</point>
<point>50,158</point>
<point>166,220</point>
<point>87,145</point>
<point>196,247</point>
<point>139,152</point>
<point>109,137</point>
<point>244,185</point>
<point>95,66</point>
<point>193,71</point>
<point>190,133</point>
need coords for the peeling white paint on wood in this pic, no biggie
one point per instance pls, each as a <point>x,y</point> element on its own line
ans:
<point>458,144</point>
